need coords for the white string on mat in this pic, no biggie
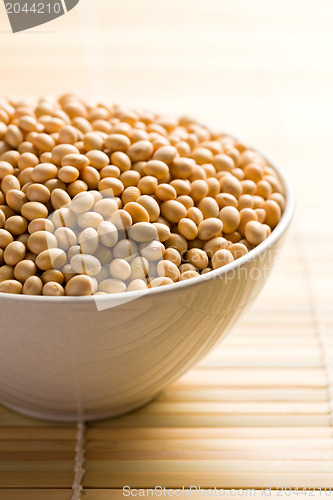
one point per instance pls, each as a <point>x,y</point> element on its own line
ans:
<point>79,461</point>
<point>319,326</point>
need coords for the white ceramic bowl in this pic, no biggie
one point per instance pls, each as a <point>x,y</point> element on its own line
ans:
<point>66,359</point>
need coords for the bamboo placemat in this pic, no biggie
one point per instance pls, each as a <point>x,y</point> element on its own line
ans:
<point>256,413</point>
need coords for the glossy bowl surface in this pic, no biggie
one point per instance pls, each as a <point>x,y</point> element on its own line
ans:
<point>86,358</point>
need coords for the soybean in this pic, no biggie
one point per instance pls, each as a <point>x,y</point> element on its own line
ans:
<point>14,253</point>
<point>221,258</point>
<point>52,258</point>
<point>24,269</point>
<point>85,264</point>
<point>80,285</point>
<point>197,258</point>
<point>255,232</point>
<point>53,289</point>
<point>120,269</point>
<point>33,286</point>
<point>16,225</point>
<point>11,286</point>
<point>188,228</point>
<point>135,200</point>
<point>209,228</point>
<point>173,211</point>
<point>142,232</point>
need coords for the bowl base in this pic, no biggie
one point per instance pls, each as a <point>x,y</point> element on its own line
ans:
<point>76,417</point>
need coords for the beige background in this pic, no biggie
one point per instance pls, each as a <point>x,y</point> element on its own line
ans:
<point>262,70</point>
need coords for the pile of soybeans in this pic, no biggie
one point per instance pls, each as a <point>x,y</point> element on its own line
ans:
<point>98,199</point>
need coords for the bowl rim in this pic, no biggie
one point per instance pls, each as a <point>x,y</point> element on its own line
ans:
<point>119,298</point>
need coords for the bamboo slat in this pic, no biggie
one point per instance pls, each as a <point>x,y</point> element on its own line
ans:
<point>234,466</point>
<point>117,494</point>
<point>46,494</point>
<point>253,454</point>
<point>184,433</point>
<point>207,479</point>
